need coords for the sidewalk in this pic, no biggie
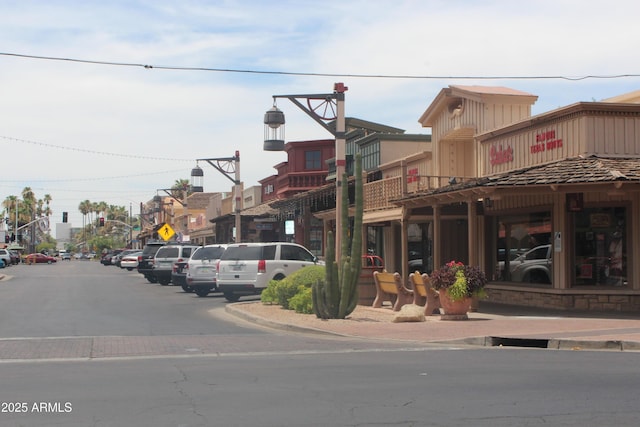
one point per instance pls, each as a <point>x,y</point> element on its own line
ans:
<point>491,325</point>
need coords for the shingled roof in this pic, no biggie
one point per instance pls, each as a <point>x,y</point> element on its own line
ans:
<point>575,170</point>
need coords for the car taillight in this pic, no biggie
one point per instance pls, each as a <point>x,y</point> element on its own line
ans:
<point>262,266</point>
<point>218,266</point>
<point>139,258</point>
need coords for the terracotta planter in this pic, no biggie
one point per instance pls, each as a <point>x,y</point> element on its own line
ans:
<point>454,310</point>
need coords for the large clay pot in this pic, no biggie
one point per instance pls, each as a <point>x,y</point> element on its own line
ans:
<point>454,310</point>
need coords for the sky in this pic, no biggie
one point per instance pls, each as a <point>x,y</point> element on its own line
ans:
<point>91,122</point>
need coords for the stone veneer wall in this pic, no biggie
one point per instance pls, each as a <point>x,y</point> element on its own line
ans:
<point>597,302</point>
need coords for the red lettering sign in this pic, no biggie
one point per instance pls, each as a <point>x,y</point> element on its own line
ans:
<point>412,175</point>
<point>498,156</point>
<point>545,141</point>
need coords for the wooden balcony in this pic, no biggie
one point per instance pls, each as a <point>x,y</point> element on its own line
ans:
<point>377,194</point>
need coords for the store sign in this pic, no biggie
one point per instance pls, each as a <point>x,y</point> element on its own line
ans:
<point>412,175</point>
<point>545,141</point>
<point>498,155</point>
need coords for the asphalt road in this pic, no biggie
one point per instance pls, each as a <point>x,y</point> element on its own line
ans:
<point>192,366</point>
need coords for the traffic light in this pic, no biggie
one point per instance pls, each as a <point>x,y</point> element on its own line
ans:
<point>101,222</point>
<point>65,216</point>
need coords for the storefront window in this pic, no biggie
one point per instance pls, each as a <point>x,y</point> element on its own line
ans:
<point>375,241</point>
<point>524,248</point>
<point>600,246</point>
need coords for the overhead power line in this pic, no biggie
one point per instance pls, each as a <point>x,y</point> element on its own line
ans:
<point>309,74</point>
<point>85,150</point>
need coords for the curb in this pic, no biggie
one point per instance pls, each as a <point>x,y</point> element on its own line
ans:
<point>229,308</point>
<point>479,341</point>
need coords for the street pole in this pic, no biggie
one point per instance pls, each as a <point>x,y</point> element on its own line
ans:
<point>341,143</point>
<point>238,196</point>
<point>328,107</point>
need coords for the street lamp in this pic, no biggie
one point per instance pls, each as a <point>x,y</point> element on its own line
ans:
<point>197,178</point>
<point>322,108</point>
<point>228,166</point>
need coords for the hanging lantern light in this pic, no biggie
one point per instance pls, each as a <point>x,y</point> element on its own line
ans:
<point>197,178</point>
<point>274,130</point>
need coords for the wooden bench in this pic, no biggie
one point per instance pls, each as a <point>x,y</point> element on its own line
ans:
<point>424,294</point>
<point>389,287</point>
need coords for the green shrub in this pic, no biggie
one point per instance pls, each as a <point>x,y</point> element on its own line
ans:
<point>281,291</point>
<point>302,302</point>
<point>268,296</point>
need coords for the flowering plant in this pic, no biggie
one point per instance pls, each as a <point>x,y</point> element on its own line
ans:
<point>460,281</point>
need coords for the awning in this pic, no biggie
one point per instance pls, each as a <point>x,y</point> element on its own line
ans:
<point>394,214</point>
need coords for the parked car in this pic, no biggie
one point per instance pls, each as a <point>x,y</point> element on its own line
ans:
<point>179,275</point>
<point>5,258</point>
<point>247,268</point>
<point>38,258</point>
<point>201,269</point>
<point>130,261</point>
<point>166,257</point>
<point>145,261</point>
<point>534,266</point>
<point>118,257</point>
<point>107,258</point>
<point>15,257</point>
<point>65,256</point>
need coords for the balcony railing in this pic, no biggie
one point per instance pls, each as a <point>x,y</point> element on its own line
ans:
<point>377,194</point>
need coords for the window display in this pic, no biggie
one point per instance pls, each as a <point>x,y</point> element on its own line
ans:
<point>524,248</point>
<point>600,246</point>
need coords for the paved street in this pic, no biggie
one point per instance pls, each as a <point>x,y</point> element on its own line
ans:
<point>86,345</point>
<point>83,310</point>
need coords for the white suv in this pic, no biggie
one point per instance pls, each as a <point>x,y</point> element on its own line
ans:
<point>247,268</point>
<point>5,258</point>
<point>201,269</point>
<point>166,257</point>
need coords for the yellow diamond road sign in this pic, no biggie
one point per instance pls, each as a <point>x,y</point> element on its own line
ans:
<point>166,232</point>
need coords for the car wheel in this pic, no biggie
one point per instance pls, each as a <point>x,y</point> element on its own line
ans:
<point>129,268</point>
<point>231,297</point>
<point>151,279</point>
<point>187,288</point>
<point>202,292</point>
<point>164,282</point>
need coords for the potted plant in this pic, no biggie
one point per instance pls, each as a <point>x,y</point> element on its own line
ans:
<point>457,284</point>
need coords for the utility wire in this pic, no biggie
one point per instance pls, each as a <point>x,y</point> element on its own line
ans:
<point>309,74</point>
<point>85,150</point>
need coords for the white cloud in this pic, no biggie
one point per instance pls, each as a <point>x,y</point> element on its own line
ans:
<point>194,114</point>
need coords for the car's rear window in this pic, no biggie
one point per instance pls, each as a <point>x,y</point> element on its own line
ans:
<point>249,253</point>
<point>150,249</point>
<point>167,253</point>
<point>208,253</point>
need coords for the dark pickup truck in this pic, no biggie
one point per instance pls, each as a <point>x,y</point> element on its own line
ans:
<point>145,261</point>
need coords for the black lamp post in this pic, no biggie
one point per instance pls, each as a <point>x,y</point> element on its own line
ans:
<point>228,166</point>
<point>322,108</point>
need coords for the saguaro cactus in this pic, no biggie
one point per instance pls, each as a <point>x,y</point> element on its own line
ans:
<point>337,296</point>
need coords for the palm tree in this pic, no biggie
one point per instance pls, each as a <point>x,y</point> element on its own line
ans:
<point>10,205</point>
<point>28,204</point>
<point>47,200</point>
<point>181,189</point>
<point>84,207</point>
